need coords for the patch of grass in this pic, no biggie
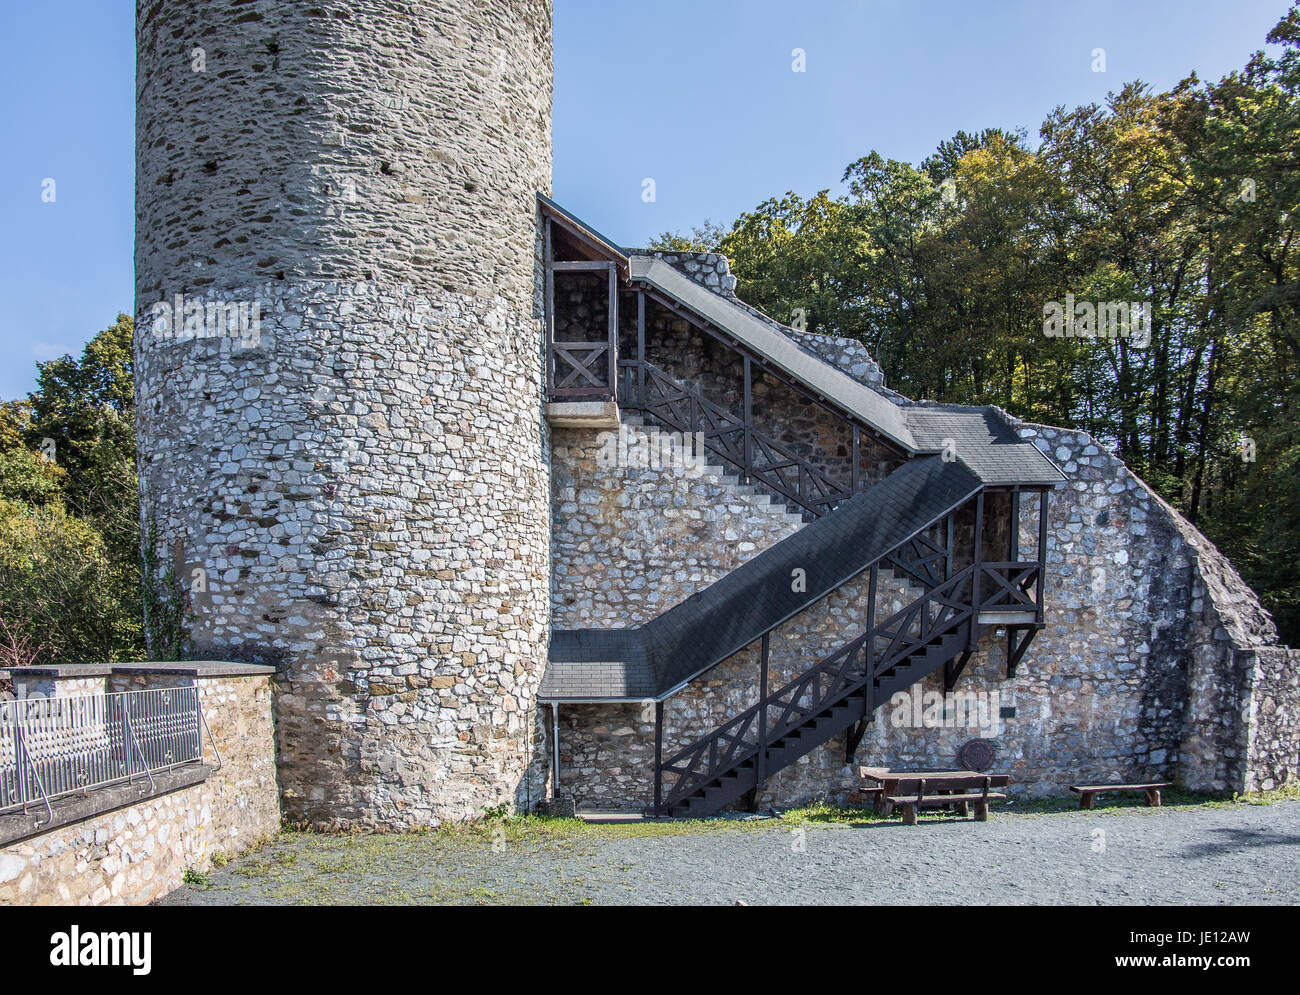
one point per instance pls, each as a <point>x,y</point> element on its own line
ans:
<point>490,860</point>
<point>220,859</point>
<point>1290,793</point>
<point>532,831</point>
<point>197,879</point>
<point>824,812</point>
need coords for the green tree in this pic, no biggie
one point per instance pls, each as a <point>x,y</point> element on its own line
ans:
<point>69,533</point>
<point>1186,201</point>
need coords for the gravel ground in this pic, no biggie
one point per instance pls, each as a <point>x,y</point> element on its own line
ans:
<point>1204,855</point>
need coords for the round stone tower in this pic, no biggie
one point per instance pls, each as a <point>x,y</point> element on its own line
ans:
<point>338,367</point>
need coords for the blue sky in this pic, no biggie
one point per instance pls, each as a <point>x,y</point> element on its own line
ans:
<point>698,96</point>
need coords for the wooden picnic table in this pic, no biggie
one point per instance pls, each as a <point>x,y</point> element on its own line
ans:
<point>936,783</point>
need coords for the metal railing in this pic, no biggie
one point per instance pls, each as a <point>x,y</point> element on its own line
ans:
<point>52,747</point>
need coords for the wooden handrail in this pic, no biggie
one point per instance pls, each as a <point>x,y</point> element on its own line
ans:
<point>788,702</point>
<point>728,436</point>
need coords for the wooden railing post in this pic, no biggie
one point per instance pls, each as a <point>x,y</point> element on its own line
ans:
<point>871,597</point>
<point>854,472</point>
<point>747,417</point>
<point>640,348</point>
<point>947,562</point>
<point>548,258</point>
<point>1015,527</point>
<point>1042,551</point>
<point>659,756</point>
<point>977,562</point>
<point>613,331</point>
<point>761,774</point>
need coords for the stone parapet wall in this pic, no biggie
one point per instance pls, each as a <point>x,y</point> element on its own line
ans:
<point>713,270</point>
<point>849,355</point>
<point>708,269</point>
<point>136,853</point>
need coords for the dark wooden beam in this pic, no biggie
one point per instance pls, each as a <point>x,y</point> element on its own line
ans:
<point>853,738</point>
<point>1016,651</point>
<point>952,670</point>
<point>1042,553</point>
<point>977,561</point>
<point>582,266</point>
<point>659,756</point>
<point>853,485</point>
<point>951,544</point>
<point>640,346</point>
<point>1015,527</point>
<point>748,418</point>
<point>613,331</point>
<point>547,263</point>
<point>760,773</point>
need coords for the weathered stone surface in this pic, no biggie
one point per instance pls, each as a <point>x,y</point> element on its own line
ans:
<point>133,855</point>
<point>363,484</point>
<point>1157,661</point>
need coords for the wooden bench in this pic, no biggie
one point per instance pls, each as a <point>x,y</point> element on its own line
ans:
<point>1087,792</point>
<point>909,794</point>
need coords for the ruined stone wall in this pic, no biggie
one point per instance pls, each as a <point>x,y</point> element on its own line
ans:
<point>1156,662</point>
<point>362,480</point>
<point>708,269</point>
<point>1273,717</point>
<point>1141,590</point>
<point>713,270</point>
<point>135,854</point>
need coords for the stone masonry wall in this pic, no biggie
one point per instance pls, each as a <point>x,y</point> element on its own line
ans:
<point>631,542</point>
<point>371,517</point>
<point>1156,662</point>
<point>607,751</point>
<point>363,484</point>
<point>136,854</point>
<point>1146,601</point>
<point>1273,717</point>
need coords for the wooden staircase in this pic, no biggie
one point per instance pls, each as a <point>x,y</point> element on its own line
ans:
<point>837,694</point>
<point>943,614</point>
<point>731,783</point>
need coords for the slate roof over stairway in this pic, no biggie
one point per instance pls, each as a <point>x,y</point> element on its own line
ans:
<point>809,369</point>
<point>984,441</point>
<point>981,438</point>
<point>655,659</point>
